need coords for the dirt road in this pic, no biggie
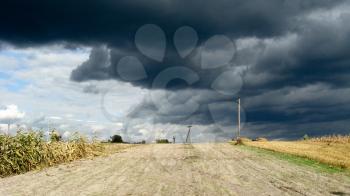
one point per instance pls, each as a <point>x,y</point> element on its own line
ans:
<point>199,169</point>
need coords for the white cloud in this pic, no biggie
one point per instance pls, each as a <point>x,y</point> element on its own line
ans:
<point>8,63</point>
<point>52,100</point>
<point>51,97</point>
<point>55,117</point>
<point>97,128</point>
<point>10,114</point>
<point>66,135</point>
<point>119,125</point>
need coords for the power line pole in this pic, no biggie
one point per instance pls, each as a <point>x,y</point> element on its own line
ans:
<point>238,102</point>
<point>48,125</point>
<point>188,133</point>
<point>8,128</point>
<point>239,117</point>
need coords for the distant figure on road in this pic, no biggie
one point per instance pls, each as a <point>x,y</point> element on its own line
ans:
<point>173,139</point>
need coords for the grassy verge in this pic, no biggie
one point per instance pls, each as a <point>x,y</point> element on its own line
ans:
<point>302,161</point>
<point>336,154</point>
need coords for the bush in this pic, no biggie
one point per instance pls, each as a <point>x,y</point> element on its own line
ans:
<point>116,139</point>
<point>55,136</point>
<point>306,137</point>
<point>162,141</point>
<point>241,140</point>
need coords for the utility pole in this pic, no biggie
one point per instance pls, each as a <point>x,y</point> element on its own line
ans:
<point>48,125</point>
<point>239,117</point>
<point>8,128</point>
<point>238,102</point>
<point>188,133</point>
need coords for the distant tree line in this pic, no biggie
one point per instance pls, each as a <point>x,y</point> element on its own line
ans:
<point>162,141</point>
<point>116,139</point>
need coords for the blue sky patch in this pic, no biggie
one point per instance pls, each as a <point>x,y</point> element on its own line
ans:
<point>16,85</point>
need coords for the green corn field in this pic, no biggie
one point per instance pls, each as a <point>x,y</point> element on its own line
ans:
<point>28,150</point>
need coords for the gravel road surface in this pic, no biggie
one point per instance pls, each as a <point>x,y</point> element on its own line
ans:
<point>178,169</point>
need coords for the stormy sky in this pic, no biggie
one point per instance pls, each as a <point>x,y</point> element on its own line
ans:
<point>147,69</point>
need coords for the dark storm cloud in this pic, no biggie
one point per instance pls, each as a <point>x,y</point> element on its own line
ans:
<point>114,22</point>
<point>209,107</point>
<point>103,64</point>
<point>295,82</point>
<point>97,67</point>
<point>293,60</point>
<point>318,53</point>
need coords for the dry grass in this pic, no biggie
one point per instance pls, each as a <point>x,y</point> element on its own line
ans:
<point>241,140</point>
<point>332,150</point>
<point>27,151</point>
<point>261,139</point>
<point>110,148</point>
<point>332,139</point>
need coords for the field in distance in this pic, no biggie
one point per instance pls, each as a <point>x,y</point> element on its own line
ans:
<point>332,150</point>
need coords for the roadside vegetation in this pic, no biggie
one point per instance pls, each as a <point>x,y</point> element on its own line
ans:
<point>116,139</point>
<point>29,151</point>
<point>298,160</point>
<point>162,141</point>
<point>332,150</point>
